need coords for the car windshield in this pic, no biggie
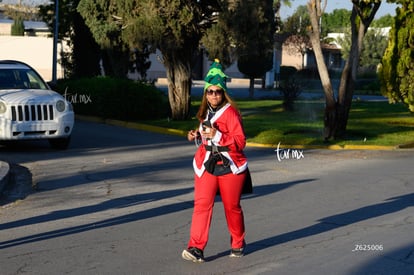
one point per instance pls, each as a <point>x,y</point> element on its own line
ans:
<point>20,78</point>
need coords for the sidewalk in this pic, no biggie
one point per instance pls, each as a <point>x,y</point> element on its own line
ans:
<point>4,174</point>
<point>239,88</point>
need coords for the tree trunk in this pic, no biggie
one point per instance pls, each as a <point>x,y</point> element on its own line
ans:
<point>179,85</point>
<point>348,77</point>
<point>359,28</point>
<point>337,113</point>
<point>314,9</point>
<point>251,87</point>
<point>344,104</point>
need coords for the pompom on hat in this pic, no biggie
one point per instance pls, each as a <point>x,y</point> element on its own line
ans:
<point>216,76</point>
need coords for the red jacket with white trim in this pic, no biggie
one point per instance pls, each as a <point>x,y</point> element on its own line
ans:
<point>230,133</point>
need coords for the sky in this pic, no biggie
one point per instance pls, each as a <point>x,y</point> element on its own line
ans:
<point>384,9</point>
<point>284,11</point>
<point>26,2</point>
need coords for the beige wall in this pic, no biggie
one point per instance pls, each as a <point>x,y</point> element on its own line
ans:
<point>5,28</point>
<point>157,69</point>
<point>35,51</point>
<point>289,58</point>
<point>38,51</point>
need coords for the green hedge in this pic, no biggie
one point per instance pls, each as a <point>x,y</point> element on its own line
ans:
<point>114,98</point>
<point>286,72</point>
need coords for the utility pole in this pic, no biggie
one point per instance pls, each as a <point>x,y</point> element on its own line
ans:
<point>55,42</point>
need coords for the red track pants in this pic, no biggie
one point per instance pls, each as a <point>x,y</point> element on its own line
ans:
<point>205,190</point>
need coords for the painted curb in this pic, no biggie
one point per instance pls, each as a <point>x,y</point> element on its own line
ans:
<point>169,131</point>
<point>5,168</point>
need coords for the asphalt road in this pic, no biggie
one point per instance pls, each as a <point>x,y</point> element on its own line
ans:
<point>119,201</point>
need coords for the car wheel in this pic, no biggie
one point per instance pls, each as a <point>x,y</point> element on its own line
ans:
<point>59,143</point>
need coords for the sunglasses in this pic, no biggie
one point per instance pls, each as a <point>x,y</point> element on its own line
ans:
<point>215,92</point>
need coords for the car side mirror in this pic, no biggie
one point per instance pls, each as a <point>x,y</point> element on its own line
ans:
<point>52,85</point>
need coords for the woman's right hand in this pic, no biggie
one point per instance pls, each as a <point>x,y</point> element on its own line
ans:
<point>191,135</point>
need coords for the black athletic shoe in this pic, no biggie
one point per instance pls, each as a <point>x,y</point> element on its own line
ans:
<point>193,254</point>
<point>237,252</point>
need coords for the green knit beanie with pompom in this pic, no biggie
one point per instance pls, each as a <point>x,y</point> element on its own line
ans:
<point>216,76</point>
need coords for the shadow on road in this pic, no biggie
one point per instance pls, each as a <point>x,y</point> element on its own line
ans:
<point>389,206</point>
<point>19,185</point>
<point>397,261</point>
<point>123,202</point>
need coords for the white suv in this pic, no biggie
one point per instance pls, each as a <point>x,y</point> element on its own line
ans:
<point>29,109</point>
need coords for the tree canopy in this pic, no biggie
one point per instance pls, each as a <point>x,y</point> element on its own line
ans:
<point>374,45</point>
<point>397,68</point>
<point>255,25</point>
<point>175,28</point>
<point>83,59</point>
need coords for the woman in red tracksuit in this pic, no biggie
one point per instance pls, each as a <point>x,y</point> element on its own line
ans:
<point>219,165</point>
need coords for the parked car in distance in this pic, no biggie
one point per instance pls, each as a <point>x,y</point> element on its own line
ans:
<point>30,110</point>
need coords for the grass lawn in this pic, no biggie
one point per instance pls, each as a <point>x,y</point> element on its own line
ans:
<point>265,122</point>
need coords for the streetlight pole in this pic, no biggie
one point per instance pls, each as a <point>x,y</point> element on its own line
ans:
<point>55,42</point>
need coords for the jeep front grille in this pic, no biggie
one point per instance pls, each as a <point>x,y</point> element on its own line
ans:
<point>32,112</point>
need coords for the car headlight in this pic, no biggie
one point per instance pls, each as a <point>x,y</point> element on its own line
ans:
<point>3,107</point>
<point>60,105</point>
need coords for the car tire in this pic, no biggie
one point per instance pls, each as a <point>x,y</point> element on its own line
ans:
<point>59,143</point>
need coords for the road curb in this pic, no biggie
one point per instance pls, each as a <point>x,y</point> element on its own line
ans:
<point>4,175</point>
<point>169,131</point>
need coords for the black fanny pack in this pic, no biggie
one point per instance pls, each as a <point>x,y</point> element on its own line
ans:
<point>217,169</point>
